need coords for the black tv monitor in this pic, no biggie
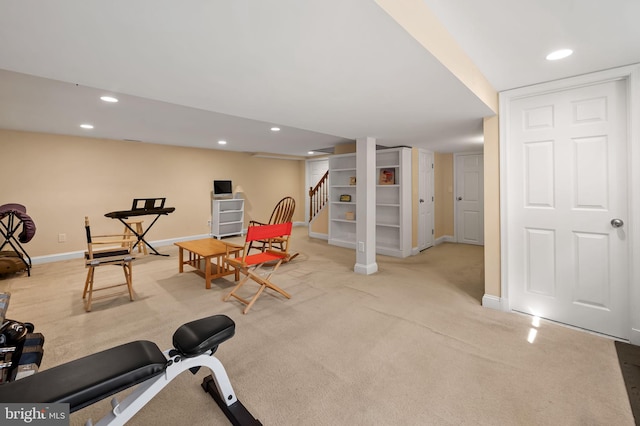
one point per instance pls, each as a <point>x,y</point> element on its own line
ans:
<point>222,188</point>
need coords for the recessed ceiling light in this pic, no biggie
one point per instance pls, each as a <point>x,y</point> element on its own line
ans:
<point>275,129</point>
<point>109,99</point>
<point>87,126</point>
<point>310,152</point>
<point>559,54</point>
<point>222,142</point>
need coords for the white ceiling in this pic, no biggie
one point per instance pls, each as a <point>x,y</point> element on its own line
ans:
<point>509,39</point>
<point>325,71</point>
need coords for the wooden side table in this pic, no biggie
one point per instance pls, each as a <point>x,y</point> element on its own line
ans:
<point>208,250</point>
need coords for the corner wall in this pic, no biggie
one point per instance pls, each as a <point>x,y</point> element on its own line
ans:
<point>443,192</point>
<point>492,207</point>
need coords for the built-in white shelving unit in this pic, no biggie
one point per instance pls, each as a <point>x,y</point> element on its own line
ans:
<point>227,217</point>
<point>393,201</point>
<point>342,182</point>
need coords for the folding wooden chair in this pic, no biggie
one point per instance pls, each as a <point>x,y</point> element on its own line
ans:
<point>118,254</point>
<point>250,265</point>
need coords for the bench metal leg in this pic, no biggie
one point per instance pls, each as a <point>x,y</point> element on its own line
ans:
<point>237,414</point>
<point>125,410</point>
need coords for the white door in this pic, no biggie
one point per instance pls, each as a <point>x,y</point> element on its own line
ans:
<point>469,198</point>
<point>566,177</point>
<point>425,199</point>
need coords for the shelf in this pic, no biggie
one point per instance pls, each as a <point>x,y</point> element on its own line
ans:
<point>393,202</point>
<point>390,225</point>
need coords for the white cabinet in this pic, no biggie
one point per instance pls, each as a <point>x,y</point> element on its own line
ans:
<point>227,217</point>
<point>393,201</point>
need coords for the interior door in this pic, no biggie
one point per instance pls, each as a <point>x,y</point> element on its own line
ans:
<point>469,198</point>
<point>567,206</point>
<point>425,199</point>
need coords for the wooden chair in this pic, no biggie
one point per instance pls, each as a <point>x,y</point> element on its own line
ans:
<point>250,265</point>
<point>282,213</point>
<point>118,253</point>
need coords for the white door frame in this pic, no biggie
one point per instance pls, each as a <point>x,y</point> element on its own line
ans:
<point>455,194</point>
<point>632,75</point>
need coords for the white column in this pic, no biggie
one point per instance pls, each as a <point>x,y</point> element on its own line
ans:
<point>365,206</point>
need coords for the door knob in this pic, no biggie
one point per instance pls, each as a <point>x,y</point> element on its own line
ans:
<point>459,198</point>
<point>617,223</point>
<point>421,200</point>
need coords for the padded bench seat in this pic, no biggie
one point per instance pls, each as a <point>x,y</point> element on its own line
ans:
<point>87,380</point>
<point>90,379</point>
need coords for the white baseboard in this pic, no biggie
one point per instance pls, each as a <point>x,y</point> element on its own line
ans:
<point>634,339</point>
<point>158,243</point>
<point>37,260</point>
<point>168,242</point>
<point>445,239</point>
<point>493,302</point>
<point>416,250</point>
<point>319,236</point>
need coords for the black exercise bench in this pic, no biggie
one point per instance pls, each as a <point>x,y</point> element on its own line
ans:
<point>87,380</point>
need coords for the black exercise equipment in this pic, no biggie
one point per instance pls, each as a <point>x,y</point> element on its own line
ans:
<point>12,217</point>
<point>90,379</point>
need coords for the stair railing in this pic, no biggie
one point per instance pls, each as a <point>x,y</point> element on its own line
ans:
<point>318,196</point>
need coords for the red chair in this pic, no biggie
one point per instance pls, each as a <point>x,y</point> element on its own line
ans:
<point>282,213</point>
<point>250,265</point>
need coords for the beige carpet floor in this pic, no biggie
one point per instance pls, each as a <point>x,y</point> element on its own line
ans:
<point>409,345</point>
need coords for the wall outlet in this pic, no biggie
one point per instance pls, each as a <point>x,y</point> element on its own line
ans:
<point>209,223</point>
<point>62,238</point>
<point>361,246</point>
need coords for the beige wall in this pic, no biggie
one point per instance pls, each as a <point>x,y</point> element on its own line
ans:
<point>443,190</point>
<point>344,148</point>
<point>61,179</point>
<point>491,206</point>
<point>320,224</point>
